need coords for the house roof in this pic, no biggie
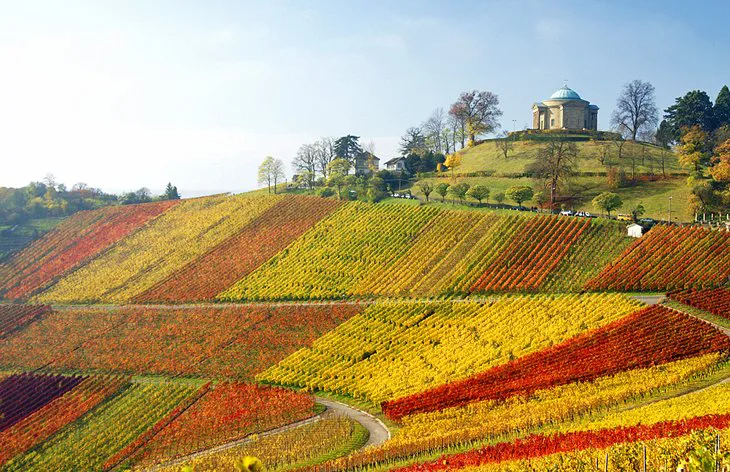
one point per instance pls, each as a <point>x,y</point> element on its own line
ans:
<point>394,160</point>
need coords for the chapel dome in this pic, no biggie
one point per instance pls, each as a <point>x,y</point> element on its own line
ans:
<point>564,93</point>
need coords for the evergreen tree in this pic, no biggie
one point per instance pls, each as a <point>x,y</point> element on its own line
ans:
<point>171,192</point>
<point>694,109</point>
<point>721,109</point>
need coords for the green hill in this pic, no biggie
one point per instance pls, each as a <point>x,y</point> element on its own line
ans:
<point>485,164</point>
<point>488,157</point>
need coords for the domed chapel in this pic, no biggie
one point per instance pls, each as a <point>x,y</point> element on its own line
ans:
<point>565,110</point>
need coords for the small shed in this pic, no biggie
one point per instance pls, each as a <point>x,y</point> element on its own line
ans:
<point>634,230</point>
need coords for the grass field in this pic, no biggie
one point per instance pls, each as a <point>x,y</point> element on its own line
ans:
<point>488,157</point>
<point>654,196</point>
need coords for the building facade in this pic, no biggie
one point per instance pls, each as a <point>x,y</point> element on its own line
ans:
<point>565,110</point>
<point>366,164</point>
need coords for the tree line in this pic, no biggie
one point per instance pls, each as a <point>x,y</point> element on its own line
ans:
<point>49,198</point>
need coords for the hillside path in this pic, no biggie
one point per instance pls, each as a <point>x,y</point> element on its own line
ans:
<point>379,433</point>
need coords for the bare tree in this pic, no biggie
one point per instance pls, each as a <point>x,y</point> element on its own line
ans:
<point>325,153</point>
<point>479,112</point>
<point>554,164</point>
<point>434,128</point>
<point>457,131</point>
<point>505,144</point>
<point>636,108</point>
<point>277,171</point>
<point>412,142</point>
<point>305,162</point>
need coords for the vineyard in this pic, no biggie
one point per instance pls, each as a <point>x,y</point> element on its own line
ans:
<point>669,258</point>
<point>392,350</point>
<point>219,342</point>
<point>319,335</point>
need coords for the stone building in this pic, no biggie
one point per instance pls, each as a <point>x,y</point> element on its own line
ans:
<point>565,110</point>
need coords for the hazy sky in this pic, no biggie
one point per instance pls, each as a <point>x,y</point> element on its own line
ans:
<point>123,94</point>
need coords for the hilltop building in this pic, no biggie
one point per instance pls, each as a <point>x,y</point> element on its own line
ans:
<point>565,110</point>
<point>366,164</point>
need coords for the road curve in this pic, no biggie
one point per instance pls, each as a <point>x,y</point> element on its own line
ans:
<point>379,433</point>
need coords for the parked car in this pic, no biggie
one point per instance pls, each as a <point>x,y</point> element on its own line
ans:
<point>567,212</point>
<point>624,217</point>
<point>584,214</point>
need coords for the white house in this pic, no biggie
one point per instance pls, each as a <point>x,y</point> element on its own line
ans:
<point>634,230</point>
<point>397,164</point>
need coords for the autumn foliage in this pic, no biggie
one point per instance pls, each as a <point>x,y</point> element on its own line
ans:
<point>116,223</point>
<point>716,301</point>
<point>669,258</point>
<point>654,335</point>
<point>232,260</point>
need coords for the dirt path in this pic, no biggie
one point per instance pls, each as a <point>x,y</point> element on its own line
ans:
<point>379,433</point>
<point>650,299</point>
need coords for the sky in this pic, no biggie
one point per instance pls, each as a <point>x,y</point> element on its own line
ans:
<point>126,94</point>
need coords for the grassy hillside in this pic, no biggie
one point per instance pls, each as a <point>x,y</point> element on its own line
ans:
<point>485,164</point>
<point>654,196</point>
<point>487,157</point>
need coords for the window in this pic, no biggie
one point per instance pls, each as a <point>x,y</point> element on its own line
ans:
<point>552,122</point>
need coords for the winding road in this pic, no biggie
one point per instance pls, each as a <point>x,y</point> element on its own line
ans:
<point>379,433</point>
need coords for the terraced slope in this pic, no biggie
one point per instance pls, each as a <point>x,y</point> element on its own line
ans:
<point>213,342</point>
<point>135,264</point>
<point>395,349</point>
<point>669,258</point>
<point>260,240</point>
<point>33,268</point>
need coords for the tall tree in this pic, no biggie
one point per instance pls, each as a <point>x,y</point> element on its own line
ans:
<point>636,108</point>
<point>266,172</point>
<point>171,192</point>
<point>305,162</point>
<point>554,164</point>
<point>721,110</point>
<point>413,142</point>
<point>277,172</point>
<point>348,147</point>
<point>338,170</point>
<point>478,111</point>
<point>692,151</point>
<point>695,108</point>
<point>325,153</point>
<point>720,169</point>
<point>433,129</point>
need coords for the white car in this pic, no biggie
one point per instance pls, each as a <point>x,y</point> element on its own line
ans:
<point>567,213</point>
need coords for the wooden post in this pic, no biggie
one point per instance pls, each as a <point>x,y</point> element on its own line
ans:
<point>644,458</point>
<point>606,470</point>
<point>717,453</point>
